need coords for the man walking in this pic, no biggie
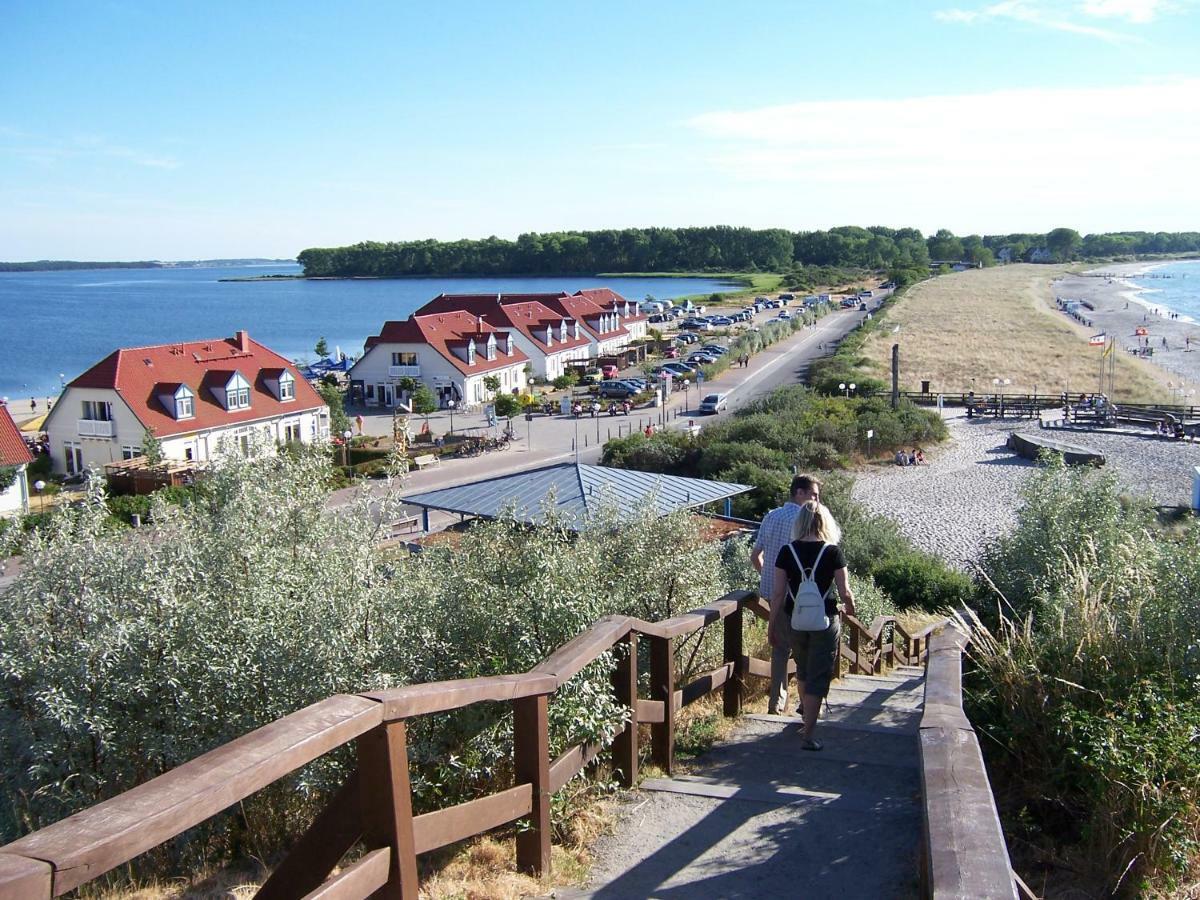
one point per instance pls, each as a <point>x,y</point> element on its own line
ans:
<point>773,535</point>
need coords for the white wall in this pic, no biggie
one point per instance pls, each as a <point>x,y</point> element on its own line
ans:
<point>437,372</point>
<point>15,500</point>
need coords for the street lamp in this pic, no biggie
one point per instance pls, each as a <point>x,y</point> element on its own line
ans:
<point>686,404</point>
<point>450,406</point>
<point>847,388</point>
<point>40,486</point>
<point>346,435</point>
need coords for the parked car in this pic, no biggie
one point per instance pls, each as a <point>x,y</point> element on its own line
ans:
<point>671,353</point>
<point>703,359</point>
<point>617,390</point>
<point>687,337</point>
<point>591,376</point>
<point>721,321</point>
<point>784,315</point>
<point>680,369</point>
<point>640,383</point>
<point>698,324</point>
<point>609,371</point>
<point>786,297</point>
<point>658,318</point>
<point>714,403</point>
<point>714,348</point>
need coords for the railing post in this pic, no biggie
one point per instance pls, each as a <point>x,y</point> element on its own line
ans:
<point>662,687</point>
<point>890,656</point>
<point>387,805</point>
<point>531,762</point>
<point>625,682</point>
<point>856,649</point>
<point>732,691</point>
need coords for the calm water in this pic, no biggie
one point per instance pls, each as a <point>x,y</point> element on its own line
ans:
<point>1180,293</point>
<point>63,322</point>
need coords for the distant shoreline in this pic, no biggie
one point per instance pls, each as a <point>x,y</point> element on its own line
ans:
<point>69,265</point>
<point>732,277</point>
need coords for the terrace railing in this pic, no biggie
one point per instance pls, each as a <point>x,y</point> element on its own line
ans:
<point>374,805</point>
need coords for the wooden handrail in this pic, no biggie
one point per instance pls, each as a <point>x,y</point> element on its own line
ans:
<point>374,806</point>
<point>965,853</point>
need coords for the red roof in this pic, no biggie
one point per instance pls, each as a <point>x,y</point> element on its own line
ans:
<point>610,299</point>
<point>140,374</point>
<point>586,311</point>
<point>13,451</point>
<point>526,313</point>
<point>451,328</point>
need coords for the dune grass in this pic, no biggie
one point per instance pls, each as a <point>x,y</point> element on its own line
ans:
<point>961,331</point>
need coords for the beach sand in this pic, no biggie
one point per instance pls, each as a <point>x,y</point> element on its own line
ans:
<point>19,409</point>
<point>1119,310</point>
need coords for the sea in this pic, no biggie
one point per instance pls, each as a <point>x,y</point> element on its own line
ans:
<point>58,324</point>
<point>1174,287</point>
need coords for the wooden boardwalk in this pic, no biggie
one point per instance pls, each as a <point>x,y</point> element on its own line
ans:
<point>758,817</point>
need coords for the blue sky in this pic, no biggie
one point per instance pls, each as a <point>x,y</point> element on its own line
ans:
<point>168,131</point>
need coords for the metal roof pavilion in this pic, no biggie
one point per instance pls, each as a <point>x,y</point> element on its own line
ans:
<point>578,491</point>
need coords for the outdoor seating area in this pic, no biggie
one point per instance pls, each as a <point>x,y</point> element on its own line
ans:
<point>138,476</point>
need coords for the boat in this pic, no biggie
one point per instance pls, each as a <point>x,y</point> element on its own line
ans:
<point>1030,446</point>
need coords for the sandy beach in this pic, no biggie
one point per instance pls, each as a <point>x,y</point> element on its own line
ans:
<point>21,411</point>
<point>1119,309</point>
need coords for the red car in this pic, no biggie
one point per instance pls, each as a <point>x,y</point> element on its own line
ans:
<point>671,353</point>
<point>608,371</point>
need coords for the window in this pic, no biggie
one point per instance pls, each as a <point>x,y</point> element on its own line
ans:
<point>129,452</point>
<point>97,410</point>
<point>287,387</point>
<point>74,456</point>
<point>291,433</point>
<point>404,359</point>
<point>490,352</point>
<point>237,398</point>
<point>188,454</point>
<point>370,392</point>
<point>244,443</point>
<point>471,353</point>
<point>562,331</point>
<point>183,406</point>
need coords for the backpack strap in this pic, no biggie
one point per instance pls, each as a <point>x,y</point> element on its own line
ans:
<point>811,574</point>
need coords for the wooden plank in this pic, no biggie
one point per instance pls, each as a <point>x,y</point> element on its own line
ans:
<point>731,696</point>
<point>568,659</point>
<point>320,848</point>
<point>570,763</point>
<point>445,826</point>
<point>531,762</point>
<point>25,879</point>
<point>386,803</point>
<point>705,684</point>
<point>650,711</point>
<point>761,668</point>
<point>362,879</point>
<point>662,688</point>
<point>625,684</point>
<point>97,839</point>
<point>686,623</point>
<point>442,696</point>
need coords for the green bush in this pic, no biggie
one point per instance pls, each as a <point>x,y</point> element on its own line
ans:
<point>669,452</point>
<point>915,579</point>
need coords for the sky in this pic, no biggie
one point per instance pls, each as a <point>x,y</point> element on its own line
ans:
<point>190,130</point>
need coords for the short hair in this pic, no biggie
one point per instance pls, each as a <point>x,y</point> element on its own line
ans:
<point>816,519</point>
<point>803,483</point>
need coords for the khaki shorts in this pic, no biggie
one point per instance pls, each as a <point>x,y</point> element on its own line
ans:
<point>816,654</point>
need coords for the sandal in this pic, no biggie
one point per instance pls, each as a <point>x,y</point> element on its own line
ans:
<point>812,744</point>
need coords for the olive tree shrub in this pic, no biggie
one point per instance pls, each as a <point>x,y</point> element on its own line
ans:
<point>124,654</point>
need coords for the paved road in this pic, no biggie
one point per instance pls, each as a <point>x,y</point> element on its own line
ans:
<point>758,817</point>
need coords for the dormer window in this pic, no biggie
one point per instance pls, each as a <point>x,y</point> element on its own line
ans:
<point>185,403</point>
<point>237,393</point>
<point>562,331</point>
<point>287,386</point>
<point>508,345</point>
<point>549,338</point>
<point>471,352</point>
<point>490,352</point>
<point>576,328</point>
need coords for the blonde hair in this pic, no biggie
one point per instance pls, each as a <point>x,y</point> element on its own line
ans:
<point>816,519</point>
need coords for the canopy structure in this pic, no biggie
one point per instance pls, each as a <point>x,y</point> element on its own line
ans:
<point>578,491</point>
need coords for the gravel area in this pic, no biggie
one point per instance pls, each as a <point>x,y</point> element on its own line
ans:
<point>970,488</point>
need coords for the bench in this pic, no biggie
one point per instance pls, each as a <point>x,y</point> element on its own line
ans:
<point>407,523</point>
<point>426,459</point>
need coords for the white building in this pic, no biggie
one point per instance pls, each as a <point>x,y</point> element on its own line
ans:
<point>14,458</point>
<point>632,317</point>
<point>191,396</point>
<point>549,339</point>
<point>451,352</point>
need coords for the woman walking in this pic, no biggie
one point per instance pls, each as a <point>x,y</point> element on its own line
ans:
<point>812,554</point>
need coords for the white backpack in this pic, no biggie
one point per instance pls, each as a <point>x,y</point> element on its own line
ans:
<point>808,610</point>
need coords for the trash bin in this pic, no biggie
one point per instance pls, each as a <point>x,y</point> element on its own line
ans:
<point>924,387</point>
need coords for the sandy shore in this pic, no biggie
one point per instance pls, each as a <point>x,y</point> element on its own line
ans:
<point>970,491</point>
<point>1119,309</point>
<point>21,411</point>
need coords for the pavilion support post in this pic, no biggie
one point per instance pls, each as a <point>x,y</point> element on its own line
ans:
<point>662,687</point>
<point>625,683</point>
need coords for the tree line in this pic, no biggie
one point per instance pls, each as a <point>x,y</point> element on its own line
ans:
<point>722,249</point>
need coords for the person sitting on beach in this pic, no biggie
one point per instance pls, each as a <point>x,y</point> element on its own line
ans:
<point>901,458</point>
<point>912,457</point>
<point>919,456</point>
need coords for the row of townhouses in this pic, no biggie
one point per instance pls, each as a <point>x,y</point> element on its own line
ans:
<point>453,342</point>
<point>199,396</point>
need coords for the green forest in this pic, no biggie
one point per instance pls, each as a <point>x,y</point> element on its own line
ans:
<point>723,249</point>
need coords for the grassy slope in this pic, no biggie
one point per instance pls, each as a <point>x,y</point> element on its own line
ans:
<point>962,330</point>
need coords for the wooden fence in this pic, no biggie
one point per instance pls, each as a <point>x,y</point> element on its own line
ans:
<point>374,806</point>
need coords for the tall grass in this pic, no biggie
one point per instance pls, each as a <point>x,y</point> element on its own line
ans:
<point>1084,686</point>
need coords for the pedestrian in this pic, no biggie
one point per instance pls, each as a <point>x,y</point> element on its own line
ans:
<point>358,420</point>
<point>813,553</point>
<point>773,535</point>
<point>33,404</point>
<point>649,430</point>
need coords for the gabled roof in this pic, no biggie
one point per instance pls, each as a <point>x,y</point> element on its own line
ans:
<point>578,491</point>
<point>588,312</point>
<point>443,330</point>
<point>527,313</point>
<point>13,451</point>
<point>610,299</point>
<point>138,375</point>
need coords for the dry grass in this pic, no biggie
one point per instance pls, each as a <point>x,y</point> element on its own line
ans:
<point>960,331</point>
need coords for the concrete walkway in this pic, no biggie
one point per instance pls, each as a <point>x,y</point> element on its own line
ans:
<point>758,817</point>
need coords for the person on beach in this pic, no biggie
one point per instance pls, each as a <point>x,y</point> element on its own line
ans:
<point>33,405</point>
<point>811,553</point>
<point>773,535</point>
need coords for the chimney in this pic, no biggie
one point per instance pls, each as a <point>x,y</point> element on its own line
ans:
<point>242,340</point>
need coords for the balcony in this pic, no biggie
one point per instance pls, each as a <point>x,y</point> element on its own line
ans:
<point>404,371</point>
<point>97,428</point>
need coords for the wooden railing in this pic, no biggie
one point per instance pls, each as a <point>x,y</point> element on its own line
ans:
<point>374,806</point>
<point>964,852</point>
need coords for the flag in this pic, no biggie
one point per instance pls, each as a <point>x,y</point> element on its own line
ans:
<point>1097,340</point>
<point>1108,351</point>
